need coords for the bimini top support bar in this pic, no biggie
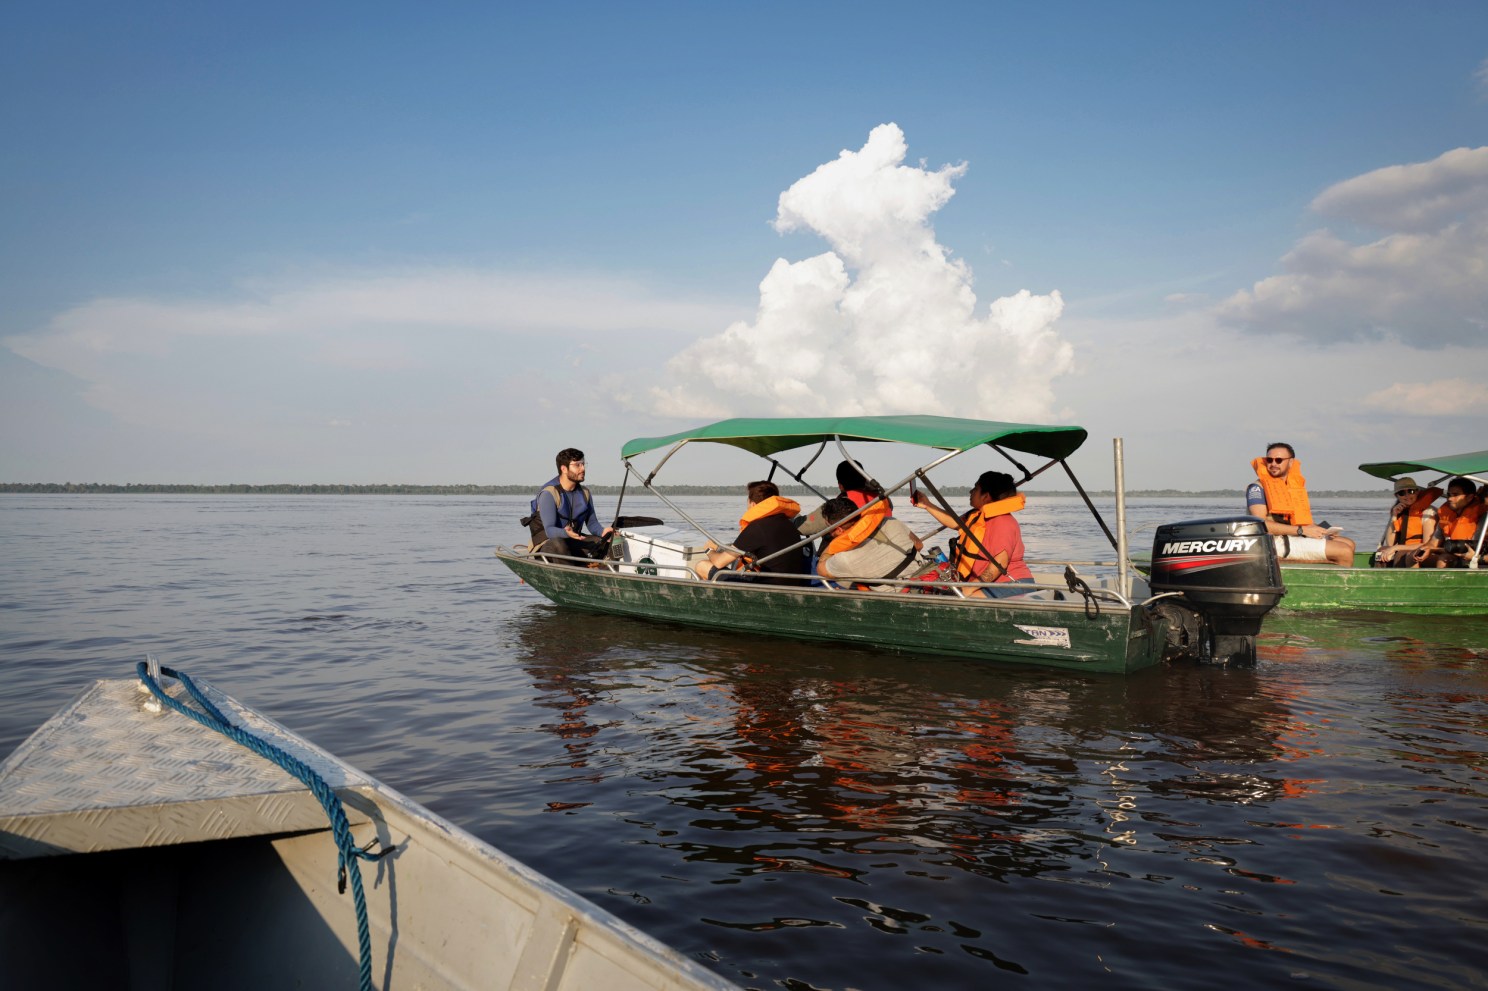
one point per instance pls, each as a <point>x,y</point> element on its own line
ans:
<point>854,462</point>
<point>859,511</point>
<point>799,476</point>
<point>1091,506</point>
<point>656,469</point>
<point>631,470</point>
<point>1123,553</point>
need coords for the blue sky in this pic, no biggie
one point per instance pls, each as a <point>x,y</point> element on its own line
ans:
<point>379,242</point>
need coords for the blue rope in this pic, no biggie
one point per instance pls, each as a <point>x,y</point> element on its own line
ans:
<point>347,851</point>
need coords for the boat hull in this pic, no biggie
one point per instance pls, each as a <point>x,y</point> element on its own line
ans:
<point>1114,639</point>
<point>1418,591</point>
<point>140,849</point>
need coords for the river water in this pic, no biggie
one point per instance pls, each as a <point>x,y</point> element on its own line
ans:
<point>807,816</point>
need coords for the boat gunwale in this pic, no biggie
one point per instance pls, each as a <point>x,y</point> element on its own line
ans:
<point>1108,597</point>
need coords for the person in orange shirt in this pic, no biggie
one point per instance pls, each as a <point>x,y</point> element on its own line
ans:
<point>989,546</point>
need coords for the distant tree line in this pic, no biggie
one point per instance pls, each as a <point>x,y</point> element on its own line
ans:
<point>169,488</point>
<point>152,488</point>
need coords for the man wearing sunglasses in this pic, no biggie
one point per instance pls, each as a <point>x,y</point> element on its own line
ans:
<point>1279,496</point>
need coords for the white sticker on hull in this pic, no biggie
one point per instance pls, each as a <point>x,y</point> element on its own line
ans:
<point>1045,636</point>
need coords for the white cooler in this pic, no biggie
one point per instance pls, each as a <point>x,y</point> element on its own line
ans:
<point>661,551</point>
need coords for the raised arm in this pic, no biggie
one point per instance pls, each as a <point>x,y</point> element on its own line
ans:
<point>942,517</point>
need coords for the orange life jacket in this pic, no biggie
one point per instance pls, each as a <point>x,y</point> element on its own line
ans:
<point>968,553</point>
<point>862,529</point>
<point>860,498</point>
<point>1286,498</point>
<point>773,506</point>
<point>1459,526</point>
<point>1406,528</point>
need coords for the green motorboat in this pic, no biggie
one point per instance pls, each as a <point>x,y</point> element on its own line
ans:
<point>1419,591</point>
<point>1081,615</point>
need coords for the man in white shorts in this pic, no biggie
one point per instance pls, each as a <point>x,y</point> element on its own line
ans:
<point>1279,496</point>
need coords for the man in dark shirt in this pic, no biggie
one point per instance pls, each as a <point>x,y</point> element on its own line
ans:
<point>765,529</point>
<point>564,507</point>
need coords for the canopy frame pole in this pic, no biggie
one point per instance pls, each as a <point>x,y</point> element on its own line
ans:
<point>799,476</point>
<point>963,528</point>
<point>854,462</point>
<point>1091,506</point>
<point>1027,475</point>
<point>664,459</point>
<point>624,481</point>
<point>860,510</point>
<point>631,469</point>
<point>917,473</point>
<point>1123,553</point>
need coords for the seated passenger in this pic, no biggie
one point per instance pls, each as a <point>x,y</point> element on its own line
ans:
<point>863,549</point>
<point>563,509</point>
<point>764,529</point>
<point>1412,523</point>
<point>1279,496</point>
<point>990,542</point>
<point>853,485</point>
<point>1459,527</point>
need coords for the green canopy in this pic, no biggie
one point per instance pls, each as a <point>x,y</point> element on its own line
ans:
<point>768,436</point>
<point>1475,463</point>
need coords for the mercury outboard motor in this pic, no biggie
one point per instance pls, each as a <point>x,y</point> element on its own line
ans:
<point>1224,578</point>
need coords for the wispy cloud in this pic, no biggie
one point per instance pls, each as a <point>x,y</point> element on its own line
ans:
<point>212,362</point>
<point>884,322</point>
<point>426,300</point>
<point>1424,283</point>
<point>1443,397</point>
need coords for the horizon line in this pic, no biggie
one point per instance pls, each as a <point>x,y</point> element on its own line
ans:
<point>399,488</point>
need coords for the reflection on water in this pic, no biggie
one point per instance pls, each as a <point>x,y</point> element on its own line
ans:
<point>835,798</point>
<point>806,816</point>
<point>1433,638</point>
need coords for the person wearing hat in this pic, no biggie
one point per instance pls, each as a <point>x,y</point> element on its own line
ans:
<point>1412,523</point>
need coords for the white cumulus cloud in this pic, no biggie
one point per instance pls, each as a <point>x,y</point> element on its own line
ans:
<point>1425,282</point>
<point>885,322</point>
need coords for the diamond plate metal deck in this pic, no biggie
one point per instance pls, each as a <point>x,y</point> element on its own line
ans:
<point>107,774</point>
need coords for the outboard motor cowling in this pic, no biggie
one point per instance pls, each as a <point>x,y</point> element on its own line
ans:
<point>1224,577</point>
